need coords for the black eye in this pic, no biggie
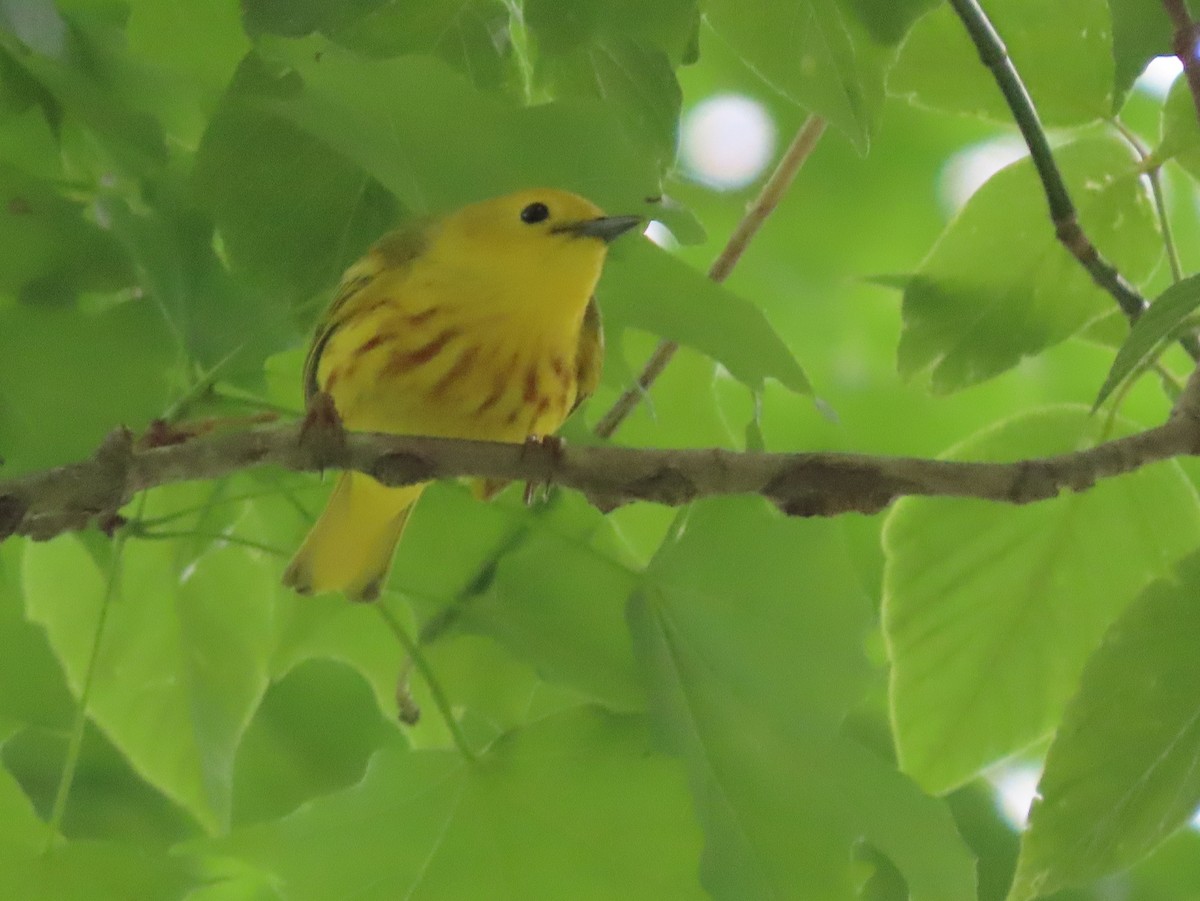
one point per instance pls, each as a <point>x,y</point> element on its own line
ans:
<point>535,212</point>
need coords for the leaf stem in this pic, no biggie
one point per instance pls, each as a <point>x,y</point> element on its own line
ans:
<point>214,537</point>
<point>772,192</point>
<point>78,727</point>
<point>435,688</point>
<point>1153,172</point>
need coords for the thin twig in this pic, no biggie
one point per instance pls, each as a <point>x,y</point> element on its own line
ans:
<point>762,207</point>
<point>75,743</point>
<point>1185,44</point>
<point>1062,211</point>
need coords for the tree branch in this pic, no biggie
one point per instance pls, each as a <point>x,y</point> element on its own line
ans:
<point>1185,45</point>
<point>43,504</point>
<point>762,207</point>
<point>1062,210</point>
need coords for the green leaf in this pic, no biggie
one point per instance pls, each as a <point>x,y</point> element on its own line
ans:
<point>634,80</point>
<point>890,20</point>
<point>32,690</point>
<point>830,57</point>
<point>646,287</point>
<point>313,734</point>
<point>1180,138</point>
<point>71,376</point>
<point>302,17</point>
<point>54,251</point>
<point>290,236</point>
<point>467,34</point>
<point>990,612</point>
<point>621,52</point>
<point>41,867</point>
<point>1140,32</point>
<point>179,59</point>
<point>563,26</point>
<point>999,286</point>
<point>751,667</point>
<point>222,324</point>
<point>538,612</point>
<point>177,676</point>
<point>21,831</point>
<point>86,871</point>
<point>388,117</point>
<point>85,85</point>
<point>1122,773</point>
<point>1156,326</point>
<point>1062,50</point>
<point>574,801</point>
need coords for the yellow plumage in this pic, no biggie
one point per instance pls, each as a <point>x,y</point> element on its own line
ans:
<point>481,325</point>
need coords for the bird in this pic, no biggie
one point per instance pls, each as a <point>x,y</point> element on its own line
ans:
<point>481,324</point>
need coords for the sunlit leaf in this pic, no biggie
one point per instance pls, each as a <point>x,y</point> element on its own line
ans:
<point>1122,773</point>
<point>1062,50</point>
<point>750,668</point>
<point>990,611</point>
<point>1140,32</point>
<point>174,658</point>
<point>545,807</point>
<point>998,286</point>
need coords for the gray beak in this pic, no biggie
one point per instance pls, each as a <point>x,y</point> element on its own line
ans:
<point>606,228</point>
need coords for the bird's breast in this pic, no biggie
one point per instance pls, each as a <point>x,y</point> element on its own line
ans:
<point>437,369</point>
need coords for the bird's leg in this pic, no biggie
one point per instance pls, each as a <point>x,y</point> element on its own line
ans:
<point>322,432</point>
<point>551,444</point>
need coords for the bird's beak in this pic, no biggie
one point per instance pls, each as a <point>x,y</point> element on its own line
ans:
<point>606,228</point>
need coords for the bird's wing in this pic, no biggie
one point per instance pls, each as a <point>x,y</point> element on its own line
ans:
<point>589,356</point>
<point>393,252</point>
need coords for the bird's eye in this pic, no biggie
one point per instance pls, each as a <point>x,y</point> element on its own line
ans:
<point>535,212</point>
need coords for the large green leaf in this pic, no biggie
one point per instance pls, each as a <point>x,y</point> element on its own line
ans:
<point>224,326</point>
<point>32,691</point>
<point>621,52</point>
<point>646,287</point>
<point>634,80</point>
<point>749,628</point>
<point>85,871</point>
<point>1140,32</point>
<point>990,611</point>
<point>830,56</point>
<point>998,286</point>
<point>290,236</point>
<point>1123,772</point>
<point>53,251</point>
<point>84,83</point>
<point>313,734</point>
<point>388,117</point>
<point>72,375</point>
<point>1180,132</point>
<point>575,803</point>
<point>561,26</point>
<point>179,671</point>
<point>541,614</point>
<point>1063,51</point>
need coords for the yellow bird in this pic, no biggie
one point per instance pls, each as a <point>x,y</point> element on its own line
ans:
<point>480,324</point>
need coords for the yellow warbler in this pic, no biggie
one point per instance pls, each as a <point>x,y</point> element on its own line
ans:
<point>480,324</point>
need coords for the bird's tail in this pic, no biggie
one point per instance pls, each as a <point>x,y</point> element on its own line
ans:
<point>351,545</point>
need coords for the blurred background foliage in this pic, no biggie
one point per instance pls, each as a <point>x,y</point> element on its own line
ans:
<point>656,703</point>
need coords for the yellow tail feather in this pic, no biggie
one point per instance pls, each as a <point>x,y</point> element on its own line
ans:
<point>351,545</point>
